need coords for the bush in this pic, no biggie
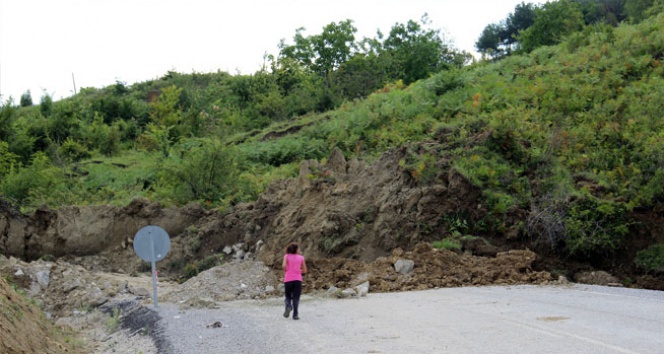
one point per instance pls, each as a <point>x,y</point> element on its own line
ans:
<point>651,259</point>
<point>595,228</point>
<point>199,169</point>
<point>8,160</point>
<point>72,150</point>
<point>20,182</point>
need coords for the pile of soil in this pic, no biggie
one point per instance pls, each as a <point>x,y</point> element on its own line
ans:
<point>432,268</point>
<point>24,329</point>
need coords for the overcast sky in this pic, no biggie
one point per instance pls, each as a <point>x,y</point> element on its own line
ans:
<point>43,43</point>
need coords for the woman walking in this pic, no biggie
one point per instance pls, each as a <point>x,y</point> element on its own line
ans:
<point>294,266</point>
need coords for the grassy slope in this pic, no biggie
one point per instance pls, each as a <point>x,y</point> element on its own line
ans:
<point>563,142</point>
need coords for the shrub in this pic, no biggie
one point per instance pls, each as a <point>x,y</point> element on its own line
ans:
<point>7,159</point>
<point>199,169</point>
<point>651,259</point>
<point>595,228</point>
<point>19,182</point>
<point>72,150</point>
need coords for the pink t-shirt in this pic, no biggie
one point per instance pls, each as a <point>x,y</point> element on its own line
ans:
<point>293,269</point>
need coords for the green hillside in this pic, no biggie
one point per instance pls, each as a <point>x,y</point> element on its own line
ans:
<point>565,142</point>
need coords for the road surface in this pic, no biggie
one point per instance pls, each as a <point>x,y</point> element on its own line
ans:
<point>496,319</point>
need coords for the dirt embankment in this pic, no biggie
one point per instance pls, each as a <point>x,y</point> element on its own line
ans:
<point>348,210</point>
<point>339,209</point>
<point>24,329</point>
<point>356,223</point>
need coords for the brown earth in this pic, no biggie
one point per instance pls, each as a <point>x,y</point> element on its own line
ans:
<point>354,220</point>
<point>23,328</point>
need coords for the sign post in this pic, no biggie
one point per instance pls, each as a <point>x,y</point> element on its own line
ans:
<point>152,244</point>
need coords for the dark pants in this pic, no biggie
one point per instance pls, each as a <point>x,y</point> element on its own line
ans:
<point>293,291</point>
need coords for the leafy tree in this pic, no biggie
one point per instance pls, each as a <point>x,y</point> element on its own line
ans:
<point>415,52</point>
<point>521,19</point>
<point>333,46</point>
<point>554,21</point>
<point>490,41</point>
<point>500,39</point>
<point>26,99</point>
<point>635,10</point>
<point>322,53</point>
<point>611,12</point>
<point>300,52</point>
<point>46,105</point>
<point>361,75</point>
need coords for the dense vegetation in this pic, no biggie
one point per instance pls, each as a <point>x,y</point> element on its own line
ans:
<point>564,141</point>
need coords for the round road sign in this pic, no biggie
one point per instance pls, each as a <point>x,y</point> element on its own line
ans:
<point>152,243</point>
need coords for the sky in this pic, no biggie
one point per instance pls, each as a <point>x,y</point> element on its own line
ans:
<point>58,46</point>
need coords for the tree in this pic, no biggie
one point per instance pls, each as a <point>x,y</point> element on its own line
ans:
<point>26,99</point>
<point>334,46</point>
<point>490,41</point>
<point>611,12</point>
<point>521,19</point>
<point>301,52</point>
<point>415,52</point>
<point>361,75</point>
<point>553,22</point>
<point>500,39</point>
<point>321,53</point>
<point>638,10</point>
<point>46,105</point>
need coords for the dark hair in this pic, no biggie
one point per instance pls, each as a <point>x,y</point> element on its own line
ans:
<point>292,248</point>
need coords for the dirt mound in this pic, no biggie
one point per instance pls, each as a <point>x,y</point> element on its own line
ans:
<point>432,268</point>
<point>24,329</point>
<point>230,281</point>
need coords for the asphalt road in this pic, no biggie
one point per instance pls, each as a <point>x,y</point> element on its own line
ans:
<point>517,319</point>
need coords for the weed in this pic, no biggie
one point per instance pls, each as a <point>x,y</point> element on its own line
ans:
<point>448,243</point>
<point>457,223</point>
<point>47,258</point>
<point>194,245</point>
<point>75,342</point>
<point>113,322</point>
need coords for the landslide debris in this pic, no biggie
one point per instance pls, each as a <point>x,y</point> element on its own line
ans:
<point>25,329</point>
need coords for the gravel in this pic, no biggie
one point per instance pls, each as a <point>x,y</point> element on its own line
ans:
<point>496,319</point>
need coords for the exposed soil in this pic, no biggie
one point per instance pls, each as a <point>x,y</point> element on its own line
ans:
<point>23,328</point>
<point>355,222</point>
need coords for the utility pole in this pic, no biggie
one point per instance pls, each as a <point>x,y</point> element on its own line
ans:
<point>74,81</point>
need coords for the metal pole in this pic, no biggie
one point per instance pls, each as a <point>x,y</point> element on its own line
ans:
<point>154,275</point>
